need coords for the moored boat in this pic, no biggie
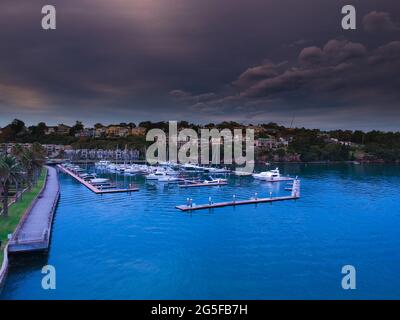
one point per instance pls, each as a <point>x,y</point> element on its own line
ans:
<point>271,176</point>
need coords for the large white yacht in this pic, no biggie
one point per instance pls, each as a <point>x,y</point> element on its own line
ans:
<point>271,176</point>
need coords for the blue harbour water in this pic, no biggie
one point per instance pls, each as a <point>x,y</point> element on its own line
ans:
<point>138,246</point>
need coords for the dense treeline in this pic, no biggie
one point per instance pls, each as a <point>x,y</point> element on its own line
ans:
<point>308,144</point>
<point>316,145</point>
<point>18,169</point>
<point>313,147</point>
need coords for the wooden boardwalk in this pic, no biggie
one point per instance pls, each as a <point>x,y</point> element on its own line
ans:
<point>92,187</point>
<point>294,196</point>
<point>33,233</point>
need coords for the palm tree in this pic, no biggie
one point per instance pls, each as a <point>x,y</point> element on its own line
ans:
<point>18,152</point>
<point>31,159</point>
<point>38,158</point>
<point>10,172</point>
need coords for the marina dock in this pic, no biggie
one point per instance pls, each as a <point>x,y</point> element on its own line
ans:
<point>193,184</point>
<point>93,188</point>
<point>34,230</point>
<point>294,196</point>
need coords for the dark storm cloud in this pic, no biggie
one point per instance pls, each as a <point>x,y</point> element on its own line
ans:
<point>379,22</point>
<point>341,77</point>
<point>136,60</point>
<point>319,69</point>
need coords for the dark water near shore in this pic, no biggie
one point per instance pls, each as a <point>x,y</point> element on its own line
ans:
<point>139,246</point>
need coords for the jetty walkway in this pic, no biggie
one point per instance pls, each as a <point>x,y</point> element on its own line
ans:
<point>295,194</point>
<point>92,187</point>
<point>34,230</point>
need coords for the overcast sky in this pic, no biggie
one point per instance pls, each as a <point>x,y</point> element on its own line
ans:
<point>203,61</point>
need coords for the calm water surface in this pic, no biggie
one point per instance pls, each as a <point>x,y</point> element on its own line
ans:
<point>139,246</point>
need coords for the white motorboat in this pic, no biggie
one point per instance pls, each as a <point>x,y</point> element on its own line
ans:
<point>102,164</point>
<point>168,164</point>
<point>133,170</point>
<point>192,167</point>
<point>156,175</point>
<point>271,176</point>
<point>171,172</point>
<point>215,180</point>
<point>99,181</point>
<point>169,179</point>
<point>167,175</point>
<point>112,167</point>
<point>88,176</point>
<point>120,168</point>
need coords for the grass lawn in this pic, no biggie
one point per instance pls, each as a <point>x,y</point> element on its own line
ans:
<point>15,212</point>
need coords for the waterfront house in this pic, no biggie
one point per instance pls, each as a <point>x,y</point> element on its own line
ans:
<point>63,129</point>
<point>50,130</point>
<point>337,141</point>
<point>138,131</point>
<point>100,132</point>
<point>53,150</point>
<point>85,133</point>
<point>271,143</point>
<point>117,131</point>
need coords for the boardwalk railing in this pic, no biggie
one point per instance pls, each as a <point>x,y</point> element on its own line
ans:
<point>47,232</point>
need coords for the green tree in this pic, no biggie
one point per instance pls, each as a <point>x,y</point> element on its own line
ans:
<point>98,126</point>
<point>31,160</point>
<point>10,173</point>
<point>77,127</point>
<point>39,130</point>
<point>281,153</point>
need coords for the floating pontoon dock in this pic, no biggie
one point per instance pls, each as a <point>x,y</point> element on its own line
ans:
<point>294,196</point>
<point>93,188</point>
<point>193,184</point>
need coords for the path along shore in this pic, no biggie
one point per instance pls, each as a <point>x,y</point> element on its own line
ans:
<point>33,233</point>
